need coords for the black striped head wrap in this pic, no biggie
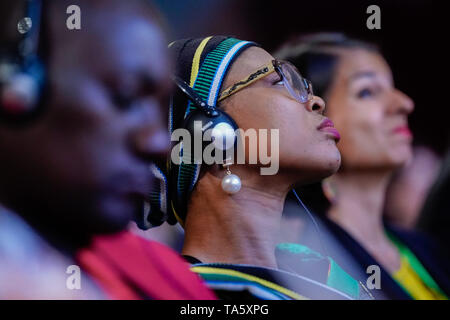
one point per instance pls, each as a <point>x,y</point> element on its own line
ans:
<point>203,64</point>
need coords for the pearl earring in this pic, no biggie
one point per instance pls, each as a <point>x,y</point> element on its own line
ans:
<point>231,183</point>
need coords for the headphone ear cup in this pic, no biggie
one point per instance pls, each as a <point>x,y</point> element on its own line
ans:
<point>21,91</point>
<point>222,129</point>
<point>223,133</point>
<point>19,94</point>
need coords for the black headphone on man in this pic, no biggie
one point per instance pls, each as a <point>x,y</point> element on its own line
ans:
<point>22,74</point>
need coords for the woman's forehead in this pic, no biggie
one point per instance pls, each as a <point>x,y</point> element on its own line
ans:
<point>359,61</point>
<point>249,60</point>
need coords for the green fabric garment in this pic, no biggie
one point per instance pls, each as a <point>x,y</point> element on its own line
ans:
<point>341,280</point>
<point>336,277</point>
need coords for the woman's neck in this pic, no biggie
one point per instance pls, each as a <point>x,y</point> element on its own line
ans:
<point>358,208</point>
<point>359,201</point>
<point>239,229</point>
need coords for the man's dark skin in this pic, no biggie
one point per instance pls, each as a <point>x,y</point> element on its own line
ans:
<point>82,167</point>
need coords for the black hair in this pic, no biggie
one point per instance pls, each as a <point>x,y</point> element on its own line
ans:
<point>316,56</point>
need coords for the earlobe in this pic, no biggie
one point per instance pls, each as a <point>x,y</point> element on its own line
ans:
<point>329,190</point>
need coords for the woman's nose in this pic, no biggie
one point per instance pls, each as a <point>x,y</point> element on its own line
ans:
<point>316,104</point>
<point>402,103</point>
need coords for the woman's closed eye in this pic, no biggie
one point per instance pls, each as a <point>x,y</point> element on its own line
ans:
<point>276,80</point>
<point>279,82</point>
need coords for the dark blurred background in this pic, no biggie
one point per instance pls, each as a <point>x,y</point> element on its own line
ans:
<point>405,38</point>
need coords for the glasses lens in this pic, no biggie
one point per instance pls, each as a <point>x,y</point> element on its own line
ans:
<point>299,87</point>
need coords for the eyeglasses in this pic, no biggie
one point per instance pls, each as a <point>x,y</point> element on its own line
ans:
<point>297,86</point>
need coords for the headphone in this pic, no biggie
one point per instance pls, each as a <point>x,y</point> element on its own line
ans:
<point>223,127</point>
<point>22,74</point>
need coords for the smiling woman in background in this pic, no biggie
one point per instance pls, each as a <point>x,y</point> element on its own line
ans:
<point>372,117</point>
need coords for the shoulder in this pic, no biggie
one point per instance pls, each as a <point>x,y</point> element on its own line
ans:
<point>263,283</point>
<point>155,268</point>
<point>416,241</point>
<point>30,268</point>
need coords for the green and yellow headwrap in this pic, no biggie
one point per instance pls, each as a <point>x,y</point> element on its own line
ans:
<point>203,64</point>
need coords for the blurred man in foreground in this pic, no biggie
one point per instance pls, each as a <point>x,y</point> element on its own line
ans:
<point>76,165</point>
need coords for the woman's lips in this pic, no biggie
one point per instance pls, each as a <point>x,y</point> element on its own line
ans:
<point>403,130</point>
<point>328,127</point>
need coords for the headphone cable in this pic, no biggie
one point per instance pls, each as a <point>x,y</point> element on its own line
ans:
<point>316,226</point>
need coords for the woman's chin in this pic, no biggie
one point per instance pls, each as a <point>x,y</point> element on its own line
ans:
<point>329,166</point>
<point>398,158</point>
<point>322,169</point>
<point>332,168</point>
<point>332,164</point>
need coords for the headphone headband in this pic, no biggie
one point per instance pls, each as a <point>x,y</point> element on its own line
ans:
<point>195,98</point>
<point>29,44</point>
